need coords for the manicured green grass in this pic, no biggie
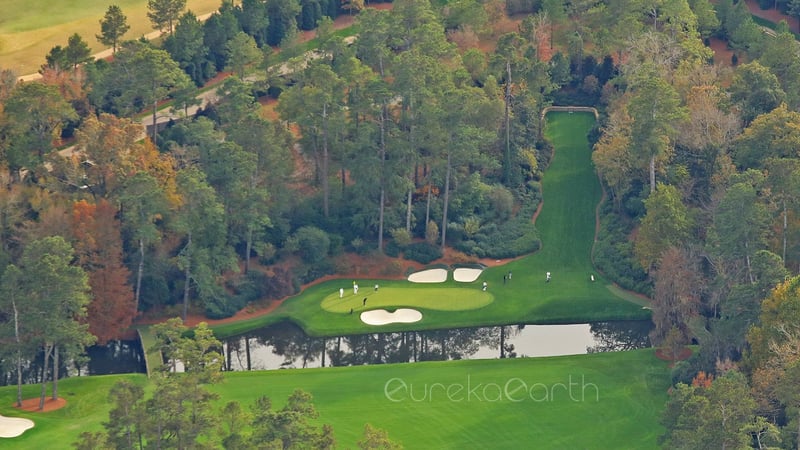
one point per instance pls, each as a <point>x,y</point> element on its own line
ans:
<point>29,29</point>
<point>566,225</point>
<point>616,402</point>
<point>87,407</point>
<point>426,296</point>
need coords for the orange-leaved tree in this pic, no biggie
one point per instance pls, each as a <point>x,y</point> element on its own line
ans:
<point>98,246</point>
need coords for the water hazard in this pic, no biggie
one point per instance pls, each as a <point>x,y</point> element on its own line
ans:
<point>285,345</point>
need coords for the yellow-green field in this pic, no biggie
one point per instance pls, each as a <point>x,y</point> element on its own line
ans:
<point>29,29</point>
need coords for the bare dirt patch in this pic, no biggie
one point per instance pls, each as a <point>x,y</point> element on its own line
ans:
<point>722,54</point>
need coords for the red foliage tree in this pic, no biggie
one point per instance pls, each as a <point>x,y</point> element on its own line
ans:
<point>98,246</point>
<point>703,380</point>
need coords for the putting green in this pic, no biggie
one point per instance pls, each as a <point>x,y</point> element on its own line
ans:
<point>439,298</point>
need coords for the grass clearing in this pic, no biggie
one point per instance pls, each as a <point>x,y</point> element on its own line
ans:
<point>616,402</point>
<point>29,29</point>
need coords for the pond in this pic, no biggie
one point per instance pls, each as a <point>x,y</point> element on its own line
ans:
<point>112,358</point>
<point>285,345</point>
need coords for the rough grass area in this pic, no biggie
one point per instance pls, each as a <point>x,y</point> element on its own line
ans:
<point>29,29</point>
<point>616,400</point>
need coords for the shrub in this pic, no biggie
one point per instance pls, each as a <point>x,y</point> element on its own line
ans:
<point>613,253</point>
<point>545,152</point>
<point>278,283</point>
<point>313,243</point>
<point>391,249</point>
<point>401,237</point>
<point>455,232</point>
<point>249,287</point>
<point>154,290</point>
<point>392,269</point>
<point>471,226</point>
<point>432,233</point>
<point>422,252</point>
<point>308,273</point>
<point>219,304</point>
<point>514,237</point>
<point>266,252</point>
<point>337,244</point>
<point>501,201</point>
<point>522,6</point>
<point>255,285</point>
<point>358,245</point>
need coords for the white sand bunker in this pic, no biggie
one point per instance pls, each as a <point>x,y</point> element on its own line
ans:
<point>429,276</point>
<point>14,426</point>
<point>384,317</point>
<point>466,275</point>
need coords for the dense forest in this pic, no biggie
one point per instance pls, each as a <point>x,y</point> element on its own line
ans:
<point>422,133</point>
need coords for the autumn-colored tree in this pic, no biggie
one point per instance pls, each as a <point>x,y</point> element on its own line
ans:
<point>51,211</point>
<point>775,134</point>
<point>72,86</point>
<point>673,343</point>
<point>98,246</point>
<point>676,295</point>
<point>107,146</point>
<point>773,346</point>
<point>713,417</point>
<point>709,125</point>
<point>612,155</point>
<point>352,5</point>
<point>108,153</point>
<point>702,380</point>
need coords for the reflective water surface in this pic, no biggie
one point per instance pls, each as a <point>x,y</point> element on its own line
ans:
<point>286,346</point>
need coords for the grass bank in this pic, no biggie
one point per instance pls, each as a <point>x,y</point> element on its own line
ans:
<point>615,402</point>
